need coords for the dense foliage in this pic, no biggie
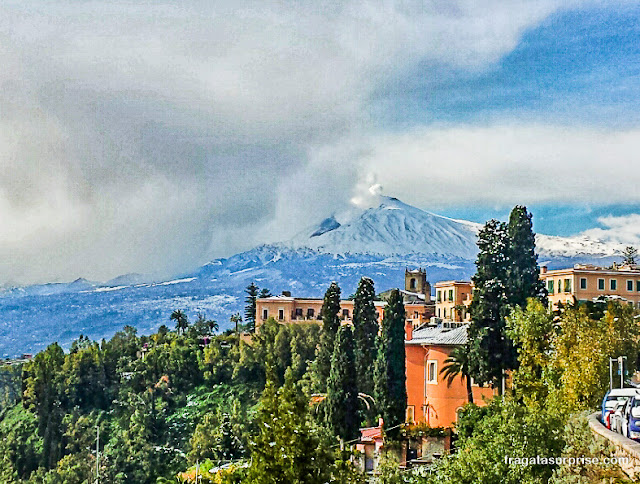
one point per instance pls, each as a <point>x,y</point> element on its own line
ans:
<point>390,373</point>
<point>342,388</point>
<point>330,324</point>
<point>365,330</point>
<point>507,275</point>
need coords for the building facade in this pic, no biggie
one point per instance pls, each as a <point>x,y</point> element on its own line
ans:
<point>287,309</point>
<point>585,282</point>
<point>431,399</point>
<point>453,299</point>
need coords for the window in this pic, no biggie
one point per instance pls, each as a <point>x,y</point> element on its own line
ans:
<point>583,283</point>
<point>567,285</point>
<point>444,312</point>
<point>600,284</point>
<point>450,294</point>
<point>415,315</point>
<point>298,312</point>
<point>629,285</point>
<point>310,313</point>
<point>345,314</point>
<point>638,286</point>
<point>613,284</point>
<point>550,286</point>
<point>412,283</point>
<point>265,314</point>
<point>439,296</point>
<point>559,285</point>
<point>410,414</point>
<point>280,314</point>
<point>438,312</point>
<point>432,372</point>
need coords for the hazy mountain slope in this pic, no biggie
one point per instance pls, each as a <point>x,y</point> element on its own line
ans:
<point>378,242</point>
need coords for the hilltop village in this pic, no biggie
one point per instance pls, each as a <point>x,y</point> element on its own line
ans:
<point>435,326</point>
<point>426,383</point>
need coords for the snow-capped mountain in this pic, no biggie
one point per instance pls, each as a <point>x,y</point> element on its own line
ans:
<point>379,242</point>
<point>393,227</point>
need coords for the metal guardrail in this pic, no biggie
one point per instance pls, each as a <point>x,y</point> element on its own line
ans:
<point>623,446</point>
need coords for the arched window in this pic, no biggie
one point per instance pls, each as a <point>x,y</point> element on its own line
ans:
<point>412,283</point>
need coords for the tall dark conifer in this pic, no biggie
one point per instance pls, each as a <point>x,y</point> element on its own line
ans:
<point>250,306</point>
<point>390,373</point>
<point>365,332</point>
<point>490,350</point>
<point>342,387</point>
<point>330,325</point>
<point>523,272</point>
<point>507,275</point>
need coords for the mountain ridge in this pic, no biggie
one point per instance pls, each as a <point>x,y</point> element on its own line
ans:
<point>378,242</point>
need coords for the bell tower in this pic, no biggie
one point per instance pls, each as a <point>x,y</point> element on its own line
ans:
<point>415,280</point>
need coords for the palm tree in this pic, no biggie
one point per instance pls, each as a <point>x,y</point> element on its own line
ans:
<point>236,318</point>
<point>458,364</point>
<point>213,325</point>
<point>181,320</point>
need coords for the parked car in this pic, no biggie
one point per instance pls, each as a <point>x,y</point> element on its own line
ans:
<point>611,399</point>
<point>631,418</point>
<point>617,415</point>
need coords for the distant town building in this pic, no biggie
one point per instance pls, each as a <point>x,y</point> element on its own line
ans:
<point>453,299</point>
<point>287,309</point>
<point>585,282</point>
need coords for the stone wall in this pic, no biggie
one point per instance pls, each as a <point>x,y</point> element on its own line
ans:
<point>623,447</point>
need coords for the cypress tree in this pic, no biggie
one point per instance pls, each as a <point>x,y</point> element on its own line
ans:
<point>507,275</point>
<point>342,388</point>
<point>491,351</point>
<point>250,306</point>
<point>523,275</point>
<point>330,325</point>
<point>365,332</point>
<point>390,373</point>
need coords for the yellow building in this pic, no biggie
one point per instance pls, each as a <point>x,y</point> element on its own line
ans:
<point>585,282</point>
<point>453,299</point>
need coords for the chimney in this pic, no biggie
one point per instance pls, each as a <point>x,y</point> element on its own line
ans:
<point>543,270</point>
<point>286,293</point>
<point>408,331</point>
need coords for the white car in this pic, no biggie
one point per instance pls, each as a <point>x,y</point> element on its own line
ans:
<point>617,415</point>
<point>610,401</point>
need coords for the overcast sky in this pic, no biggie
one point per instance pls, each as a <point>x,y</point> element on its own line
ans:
<point>151,137</point>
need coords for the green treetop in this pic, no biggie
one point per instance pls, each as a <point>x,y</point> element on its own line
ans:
<point>342,388</point>
<point>365,331</point>
<point>330,325</point>
<point>390,374</point>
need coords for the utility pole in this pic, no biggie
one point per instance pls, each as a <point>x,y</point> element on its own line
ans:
<point>621,360</point>
<point>610,373</point>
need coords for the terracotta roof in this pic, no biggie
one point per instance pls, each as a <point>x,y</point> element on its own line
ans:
<point>370,433</point>
<point>439,335</point>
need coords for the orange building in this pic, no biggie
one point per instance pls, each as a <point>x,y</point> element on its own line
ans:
<point>287,309</point>
<point>430,399</point>
<point>584,282</point>
<point>453,299</point>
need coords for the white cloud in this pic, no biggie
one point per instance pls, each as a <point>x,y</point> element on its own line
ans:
<point>618,229</point>
<point>505,164</point>
<point>148,136</point>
